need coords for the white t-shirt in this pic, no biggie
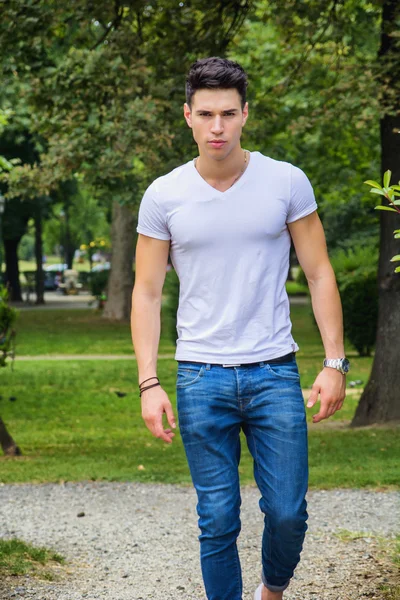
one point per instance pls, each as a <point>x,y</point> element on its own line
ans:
<point>230,251</point>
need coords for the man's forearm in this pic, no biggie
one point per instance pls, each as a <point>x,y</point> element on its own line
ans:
<point>145,325</point>
<point>328,313</point>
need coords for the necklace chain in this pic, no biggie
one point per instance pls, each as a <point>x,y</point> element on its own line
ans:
<point>245,152</point>
<point>243,168</point>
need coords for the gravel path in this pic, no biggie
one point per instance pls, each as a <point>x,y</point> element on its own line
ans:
<point>139,541</point>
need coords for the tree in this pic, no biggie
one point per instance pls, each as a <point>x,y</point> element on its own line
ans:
<point>8,316</point>
<point>328,100</point>
<point>380,401</point>
<point>99,80</point>
<point>15,143</point>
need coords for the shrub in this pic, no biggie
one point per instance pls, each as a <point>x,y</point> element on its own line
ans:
<point>356,275</point>
<point>98,286</point>
<point>171,288</point>
<point>301,279</point>
<point>359,294</point>
<point>8,316</point>
<point>84,278</point>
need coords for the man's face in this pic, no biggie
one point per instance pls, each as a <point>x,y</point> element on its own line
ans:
<point>216,119</point>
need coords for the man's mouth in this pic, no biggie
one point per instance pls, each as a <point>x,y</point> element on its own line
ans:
<point>217,143</point>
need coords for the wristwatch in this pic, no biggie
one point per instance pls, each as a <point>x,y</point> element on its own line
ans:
<point>341,364</point>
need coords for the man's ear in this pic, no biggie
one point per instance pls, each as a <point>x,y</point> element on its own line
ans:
<point>187,114</point>
<point>245,113</point>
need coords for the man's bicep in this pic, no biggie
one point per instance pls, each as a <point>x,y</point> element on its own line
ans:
<point>151,264</point>
<point>310,245</point>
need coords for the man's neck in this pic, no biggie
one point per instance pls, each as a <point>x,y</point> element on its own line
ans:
<point>219,172</point>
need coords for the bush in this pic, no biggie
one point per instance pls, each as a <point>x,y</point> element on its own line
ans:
<point>98,286</point>
<point>356,275</point>
<point>301,279</point>
<point>26,248</point>
<point>84,278</point>
<point>8,316</point>
<point>359,294</point>
<point>171,288</point>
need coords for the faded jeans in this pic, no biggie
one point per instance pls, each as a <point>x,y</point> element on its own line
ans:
<point>266,402</point>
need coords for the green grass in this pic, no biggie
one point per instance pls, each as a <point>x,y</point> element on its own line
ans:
<point>30,265</point>
<point>19,558</point>
<point>70,425</point>
<point>296,289</point>
<point>87,332</point>
<point>74,332</point>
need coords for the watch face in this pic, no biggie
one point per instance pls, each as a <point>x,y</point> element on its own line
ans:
<point>345,365</point>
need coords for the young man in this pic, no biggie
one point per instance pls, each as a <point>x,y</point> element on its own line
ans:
<point>227,218</point>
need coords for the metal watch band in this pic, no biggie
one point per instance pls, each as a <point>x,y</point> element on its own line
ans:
<point>340,364</point>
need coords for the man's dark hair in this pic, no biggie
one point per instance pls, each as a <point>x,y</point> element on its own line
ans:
<point>215,73</point>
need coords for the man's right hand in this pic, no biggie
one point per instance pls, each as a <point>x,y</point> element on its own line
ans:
<point>155,403</point>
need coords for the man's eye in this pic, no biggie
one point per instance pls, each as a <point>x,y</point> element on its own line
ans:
<point>203,114</point>
<point>229,114</point>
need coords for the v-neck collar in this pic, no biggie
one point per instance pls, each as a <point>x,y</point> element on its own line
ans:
<point>233,187</point>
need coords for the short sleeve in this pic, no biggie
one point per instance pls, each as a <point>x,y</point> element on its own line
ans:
<point>151,220</point>
<point>302,199</point>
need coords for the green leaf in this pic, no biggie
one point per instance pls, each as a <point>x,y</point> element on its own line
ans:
<point>397,202</point>
<point>396,231</point>
<point>5,164</point>
<point>395,258</point>
<point>397,270</point>
<point>397,236</point>
<point>373,184</point>
<point>380,207</point>
<point>386,178</point>
<point>375,191</point>
<point>396,187</point>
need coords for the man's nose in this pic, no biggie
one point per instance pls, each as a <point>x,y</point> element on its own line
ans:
<point>217,125</point>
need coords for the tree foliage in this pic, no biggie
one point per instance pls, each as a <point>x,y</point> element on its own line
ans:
<point>98,80</point>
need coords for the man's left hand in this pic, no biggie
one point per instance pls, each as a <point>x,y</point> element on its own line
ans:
<point>331,386</point>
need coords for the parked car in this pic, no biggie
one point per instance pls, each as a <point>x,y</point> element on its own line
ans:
<point>52,275</point>
<point>59,267</point>
<point>105,266</point>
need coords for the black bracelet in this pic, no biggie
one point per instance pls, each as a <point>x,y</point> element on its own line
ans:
<point>148,387</point>
<point>147,380</point>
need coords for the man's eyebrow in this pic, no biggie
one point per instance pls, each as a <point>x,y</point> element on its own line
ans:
<point>200,110</point>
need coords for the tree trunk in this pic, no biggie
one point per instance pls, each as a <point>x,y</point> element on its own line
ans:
<point>69,248</point>
<point>380,401</point>
<point>12,268</point>
<point>120,283</point>
<point>10,448</point>
<point>39,283</point>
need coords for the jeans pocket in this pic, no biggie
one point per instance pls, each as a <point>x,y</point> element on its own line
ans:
<point>288,371</point>
<point>188,375</point>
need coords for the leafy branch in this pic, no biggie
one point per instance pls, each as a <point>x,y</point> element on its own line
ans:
<point>392,195</point>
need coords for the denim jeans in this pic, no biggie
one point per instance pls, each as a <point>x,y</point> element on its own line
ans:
<point>266,402</point>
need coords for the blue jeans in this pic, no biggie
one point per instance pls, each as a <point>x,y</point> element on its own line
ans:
<point>266,402</point>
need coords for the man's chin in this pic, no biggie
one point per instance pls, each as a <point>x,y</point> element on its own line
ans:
<point>218,154</point>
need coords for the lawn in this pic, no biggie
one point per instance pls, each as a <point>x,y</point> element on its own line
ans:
<point>71,425</point>
<point>74,332</point>
<point>86,332</point>
<point>30,265</point>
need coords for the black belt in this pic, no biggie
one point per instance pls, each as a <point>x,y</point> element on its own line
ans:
<point>280,359</point>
